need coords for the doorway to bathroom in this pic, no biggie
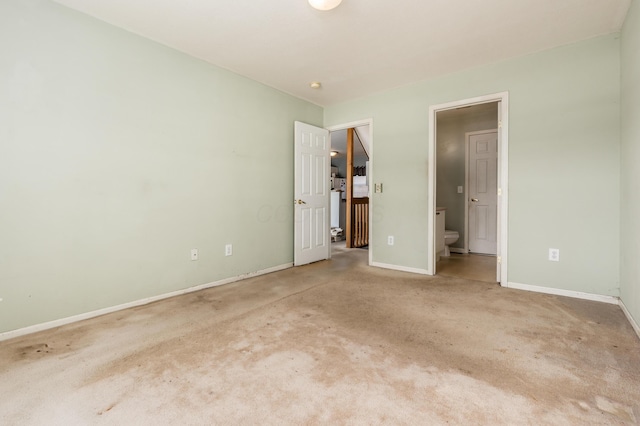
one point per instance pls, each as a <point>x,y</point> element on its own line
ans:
<point>466,191</point>
<point>467,199</point>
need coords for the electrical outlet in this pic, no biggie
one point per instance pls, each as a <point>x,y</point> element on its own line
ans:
<point>194,254</point>
<point>228,250</point>
<point>390,240</point>
<point>377,187</point>
<point>554,255</point>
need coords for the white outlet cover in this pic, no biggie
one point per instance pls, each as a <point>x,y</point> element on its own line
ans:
<point>390,240</point>
<point>554,255</point>
<point>194,254</point>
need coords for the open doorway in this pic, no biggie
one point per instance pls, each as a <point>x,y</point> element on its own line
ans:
<point>468,181</point>
<point>466,191</point>
<point>351,177</point>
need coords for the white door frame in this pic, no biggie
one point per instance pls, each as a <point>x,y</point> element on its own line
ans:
<point>353,124</point>
<point>503,178</point>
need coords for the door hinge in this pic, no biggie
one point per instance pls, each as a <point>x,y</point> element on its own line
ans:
<point>500,124</point>
<point>499,191</point>
<point>499,259</point>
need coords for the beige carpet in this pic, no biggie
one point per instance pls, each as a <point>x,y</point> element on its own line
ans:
<point>335,342</point>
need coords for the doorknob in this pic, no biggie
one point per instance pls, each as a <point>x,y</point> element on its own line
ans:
<point>298,202</point>
<point>475,200</point>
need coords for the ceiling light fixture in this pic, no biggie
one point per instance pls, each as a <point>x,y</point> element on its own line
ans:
<point>324,4</point>
<point>315,84</point>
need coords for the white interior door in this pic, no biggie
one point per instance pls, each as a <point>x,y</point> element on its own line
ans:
<point>311,193</point>
<point>483,192</point>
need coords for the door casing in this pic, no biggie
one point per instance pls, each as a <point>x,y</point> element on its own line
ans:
<point>503,175</point>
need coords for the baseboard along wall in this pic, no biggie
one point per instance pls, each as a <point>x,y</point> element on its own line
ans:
<point>580,295</point>
<point>400,268</point>
<point>561,292</point>
<point>632,321</point>
<point>87,315</point>
<point>458,250</point>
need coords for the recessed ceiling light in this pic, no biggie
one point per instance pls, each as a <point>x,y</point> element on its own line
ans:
<point>324,4</point>
<point>315,84</point>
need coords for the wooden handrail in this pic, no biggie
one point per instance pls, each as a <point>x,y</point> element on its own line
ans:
<point>360,222</point>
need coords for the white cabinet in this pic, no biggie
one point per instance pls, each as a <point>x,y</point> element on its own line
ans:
<point>335,209</point>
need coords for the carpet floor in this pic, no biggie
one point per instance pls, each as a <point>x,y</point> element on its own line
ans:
<point>336,342</point>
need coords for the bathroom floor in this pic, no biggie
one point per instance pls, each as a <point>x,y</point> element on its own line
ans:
<point>468,266</point>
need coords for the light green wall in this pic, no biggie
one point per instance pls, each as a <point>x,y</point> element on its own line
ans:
<point>452,127</point>
<point>564,163</point>
<point>119,155</point>
<point>630,161</point>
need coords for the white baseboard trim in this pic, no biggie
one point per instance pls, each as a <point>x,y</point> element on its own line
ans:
<point>75,318</point>
<point>400,268</point>
<point>560,292</point>
<point>633,322</point>
<point>458,250</point>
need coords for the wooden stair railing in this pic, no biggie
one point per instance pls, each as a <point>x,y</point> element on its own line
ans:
<point>360,222</point>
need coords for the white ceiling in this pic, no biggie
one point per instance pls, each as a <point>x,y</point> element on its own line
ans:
<point>363,46</point>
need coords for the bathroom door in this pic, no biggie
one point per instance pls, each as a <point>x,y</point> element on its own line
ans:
<point>483,192</point>
<point>311,194</point>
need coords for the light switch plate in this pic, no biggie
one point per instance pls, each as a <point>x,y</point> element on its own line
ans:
<point>378,187</point>
<point>460,190</point>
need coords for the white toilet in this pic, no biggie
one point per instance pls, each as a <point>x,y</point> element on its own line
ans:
<point>450,237</point>
<point>444,237</point>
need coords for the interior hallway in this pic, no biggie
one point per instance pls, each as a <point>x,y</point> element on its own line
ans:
<point>332,342</point>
